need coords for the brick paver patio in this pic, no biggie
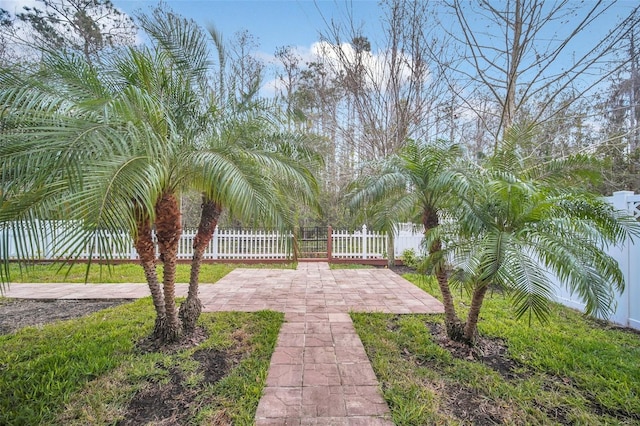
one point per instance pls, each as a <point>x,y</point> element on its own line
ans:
<point>319,372</point>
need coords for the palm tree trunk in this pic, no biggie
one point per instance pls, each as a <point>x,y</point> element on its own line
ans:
<point>168,230</point>
<point>471,326</point>
<point>144,245</point>
<point>192,307</point>
<point>391,254</point>
<point>452,322</point>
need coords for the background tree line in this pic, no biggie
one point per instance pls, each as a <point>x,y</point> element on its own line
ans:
<point>452,70</point>
<point>465,72</point>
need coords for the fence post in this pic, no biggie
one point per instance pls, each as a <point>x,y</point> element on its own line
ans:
<point>329,243</point>
<point>133,253</point>
<point>49,237</point>
<point>364,241</point>
<point>214,243</point>
<point>295,243</point>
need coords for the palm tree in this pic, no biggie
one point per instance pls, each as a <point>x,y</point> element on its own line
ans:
<point>114,147</point>
<point>261,168</point>
<point>241,162</point>
<point>517,223</point>
<point>419,183</point>
<point>502,224</point>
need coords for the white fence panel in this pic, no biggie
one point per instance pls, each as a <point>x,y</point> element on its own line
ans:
<point>361,244</point>
<point>627,304</point>
<point>54,240</point>
<point>346,245</point>
<point>409,237</point>
<point>250,244</point>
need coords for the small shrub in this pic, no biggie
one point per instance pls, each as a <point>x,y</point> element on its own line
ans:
<point>412,260</point>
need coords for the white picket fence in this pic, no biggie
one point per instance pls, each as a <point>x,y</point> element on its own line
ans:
<point>57,242</point>
<point>362,244</point>
<point>58,239</point>
<point>246,244</point>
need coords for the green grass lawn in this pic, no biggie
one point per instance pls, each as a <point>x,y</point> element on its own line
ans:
<point>90,370</point>
<point>572,370</point>
<point>119,273</point>
<point>86,371</point>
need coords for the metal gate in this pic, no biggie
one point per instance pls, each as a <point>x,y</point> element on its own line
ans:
<point>312,242</point>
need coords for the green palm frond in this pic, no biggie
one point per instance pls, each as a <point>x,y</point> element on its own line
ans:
<point>516,227</point>
<point>528,284</point>
<point>97,145</point>
<point>181,38</point>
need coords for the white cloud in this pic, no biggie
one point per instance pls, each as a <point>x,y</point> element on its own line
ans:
<point>375,66</point>
<point>271,88</point>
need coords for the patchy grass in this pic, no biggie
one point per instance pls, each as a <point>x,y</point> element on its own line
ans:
<point>349,266</point>
<point>42,368</point>
<point>89,370</point>
<point>119,273</point>
<point>573,370</point>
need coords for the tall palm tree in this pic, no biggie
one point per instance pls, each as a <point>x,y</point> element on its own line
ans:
<point>516,223</point>
<point>241,162</point>
<point>417,184</point>
<point>115,146</point>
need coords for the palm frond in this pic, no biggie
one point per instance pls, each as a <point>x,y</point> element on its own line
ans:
<point>181,38</point>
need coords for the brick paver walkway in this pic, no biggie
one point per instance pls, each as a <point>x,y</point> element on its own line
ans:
<point>319,372</point>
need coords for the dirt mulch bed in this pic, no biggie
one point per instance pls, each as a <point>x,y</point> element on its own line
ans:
<point>18,313</point>
<point>173,403</point>
<point>491,352</point>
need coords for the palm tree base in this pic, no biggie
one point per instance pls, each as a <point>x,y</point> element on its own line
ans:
<point>189,313</point>
<point>165,332</point>
<point>455,331</point>
<point>161,321</point>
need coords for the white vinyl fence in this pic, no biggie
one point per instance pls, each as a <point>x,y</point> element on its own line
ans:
<point>409,236</point>
<point>626,311</point>
<point>627,304</point>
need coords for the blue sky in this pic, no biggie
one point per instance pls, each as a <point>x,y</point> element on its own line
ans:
<point>277,23</point>
<point>294,22</point>
<point>274,22</point>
